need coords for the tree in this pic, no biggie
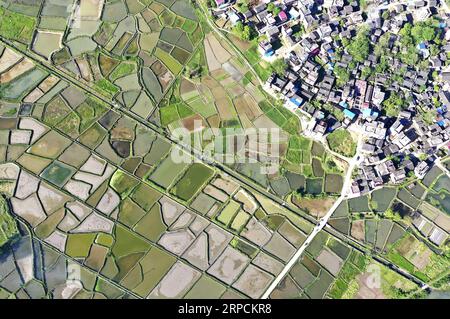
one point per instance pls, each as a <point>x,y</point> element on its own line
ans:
<point>242,5</point>
<point>345,42</point>
<point>238,28</point>
<point>381,47</point>
<point>389,213</point>
<point>410,57</point>
<point>428,116</point>
<point>434,49</point>
<point>406,30</point>
<point>366,72</point>
<point>422,32</point>
<point>244,32</point>
<point>359,47</point>
<point>342,75</point>
<point>362,4</point>
<point>247,34</point>
<point>272,8</point>
<point>279,66</point>
<point>393,105</point>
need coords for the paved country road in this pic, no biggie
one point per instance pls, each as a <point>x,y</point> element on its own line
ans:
<point>356,160</point>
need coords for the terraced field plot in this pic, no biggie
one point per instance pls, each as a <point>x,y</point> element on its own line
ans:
<point>330,268</point>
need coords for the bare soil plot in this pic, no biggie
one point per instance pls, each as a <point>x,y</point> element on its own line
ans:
<point>315,207</point>
<point>292,234</point>
<point>366,289</point>
<point>330,261</point>
<point>33,96</point>
<point>48,83</point>
<point>46,43</point>
<point>256,232</point>
<point>8,59</point>
<point>177,241</point>
<point>197,253</point>
<point>213,63</point>
<point>358,230</point>
<point>243,106</point>
<point>218,239</point>
<point>216,193</point>
<point>253,282</point>
<point>280,247</point>
<point>229,265</point>
<point>176,283</point>
<point>193,123</point>
<point>17,70</point>
<point>226,109</point>
<point>268,263</point>
<point>221,54</point>
<point>91,9</point>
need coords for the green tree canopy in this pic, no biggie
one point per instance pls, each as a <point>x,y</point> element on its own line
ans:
<point>279,66</point>
<point>359,47</point>
<point>394,104</point>
<point>342,75</point>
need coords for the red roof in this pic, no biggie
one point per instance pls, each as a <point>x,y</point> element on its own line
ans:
<point>282,15</point>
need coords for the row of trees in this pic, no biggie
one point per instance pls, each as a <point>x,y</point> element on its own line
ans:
<point>244,32</point>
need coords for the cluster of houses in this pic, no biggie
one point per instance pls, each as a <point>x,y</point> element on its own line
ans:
<point>391,149</point>
<point>309,82</point>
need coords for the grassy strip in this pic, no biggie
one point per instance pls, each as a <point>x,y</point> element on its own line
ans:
<point>8,226</point>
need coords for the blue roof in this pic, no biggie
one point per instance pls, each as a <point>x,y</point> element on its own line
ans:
<point>343,104</point>
<point>349,114</point>
<point>441,123</point>
<point>296,101</point>
<point>422,45</point>
<point>442,25</point>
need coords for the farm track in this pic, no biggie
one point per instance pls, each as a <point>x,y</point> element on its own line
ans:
<point>323,221</point>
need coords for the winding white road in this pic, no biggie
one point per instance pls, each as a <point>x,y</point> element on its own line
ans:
<point>356,160</point>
